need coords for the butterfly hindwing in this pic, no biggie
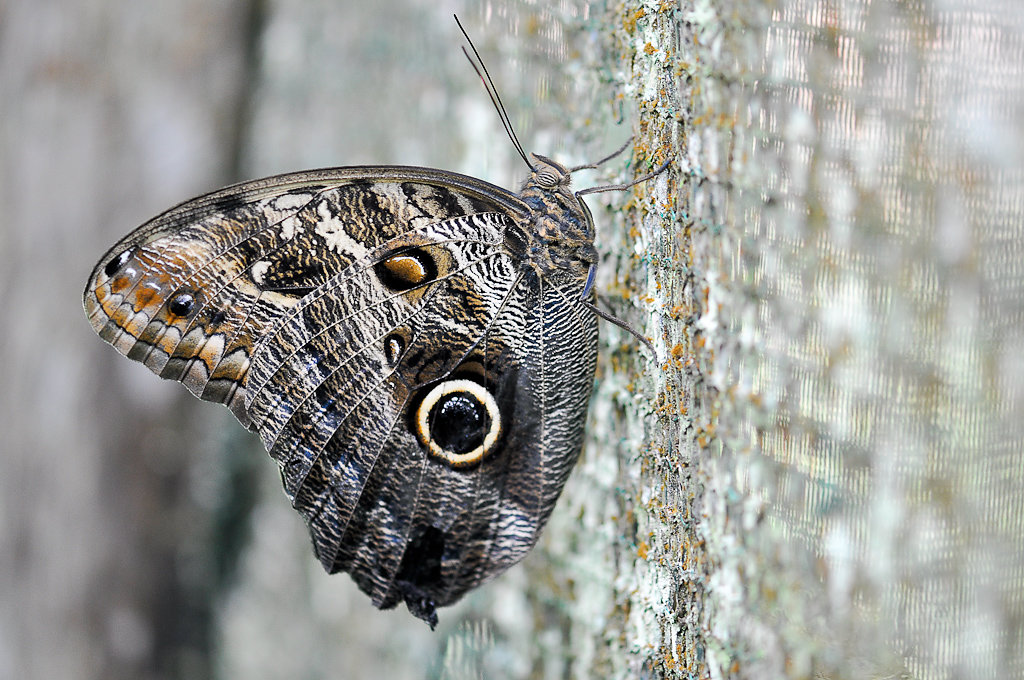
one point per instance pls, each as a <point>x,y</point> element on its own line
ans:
<point>403,521</point>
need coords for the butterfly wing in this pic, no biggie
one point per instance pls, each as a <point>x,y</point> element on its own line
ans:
<point>190,292</point>
<point>426,428</point>
<point>423,389</point>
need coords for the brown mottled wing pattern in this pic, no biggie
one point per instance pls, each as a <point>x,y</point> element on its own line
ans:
<point>333,407</point>
<point>411,345</point>
<point>190,292</point>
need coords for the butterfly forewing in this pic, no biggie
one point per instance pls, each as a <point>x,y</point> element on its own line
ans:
<point>190,292</point>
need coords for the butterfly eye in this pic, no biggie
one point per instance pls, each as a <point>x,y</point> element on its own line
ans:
<point>407,269</point>
<point>182,304</point>
<point>547,178</point>
<point>121,260</point>
<point>459,422</point>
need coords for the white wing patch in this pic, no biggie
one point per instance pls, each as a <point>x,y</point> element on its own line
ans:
<point>259,271</point>
<point>332,231</point>
<point>290,202</point>
<point>290,226</point>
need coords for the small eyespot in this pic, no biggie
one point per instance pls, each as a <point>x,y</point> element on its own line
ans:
<point>218,318</point>
<point>394,346</point>
<point>406,269</point>
<point>182,304</point>
<point>121,260</point>
<point>459,422</point>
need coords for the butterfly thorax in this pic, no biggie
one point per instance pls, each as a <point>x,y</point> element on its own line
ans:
<point>557,233</point>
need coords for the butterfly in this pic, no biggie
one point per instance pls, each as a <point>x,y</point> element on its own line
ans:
<point>415,348</point>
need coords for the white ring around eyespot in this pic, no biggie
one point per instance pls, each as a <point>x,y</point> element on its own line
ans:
<point>458,460</point>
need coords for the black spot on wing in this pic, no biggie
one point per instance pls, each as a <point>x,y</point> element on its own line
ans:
<point>294,275</point>
<point>182,304</point>
<point>419,576</point>
<point>115,264</point>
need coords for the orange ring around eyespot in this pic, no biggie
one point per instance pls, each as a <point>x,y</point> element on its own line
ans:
<point>458,460</point>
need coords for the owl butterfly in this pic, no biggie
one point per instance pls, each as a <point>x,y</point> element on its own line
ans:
<point>416,349</point>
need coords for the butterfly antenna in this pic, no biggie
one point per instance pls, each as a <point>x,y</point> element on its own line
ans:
<point>595,164</point>
<point>492,92</point>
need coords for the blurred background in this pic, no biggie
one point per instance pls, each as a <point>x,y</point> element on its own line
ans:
<point>143,533</point>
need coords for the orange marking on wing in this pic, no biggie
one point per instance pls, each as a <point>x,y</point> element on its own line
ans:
<point>168,341</point>
<point>119,284</point>
<point>119,315</point>
<point>144,296</point>
<point>232,366</point>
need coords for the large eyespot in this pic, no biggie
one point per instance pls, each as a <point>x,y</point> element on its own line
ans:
<point>459,422</point>
<point>119,261</point>
<point>406,269</point>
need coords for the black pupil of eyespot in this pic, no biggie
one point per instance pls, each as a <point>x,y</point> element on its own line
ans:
<point>115,265</point>
<point>182,304</point>
<point>459,423</point>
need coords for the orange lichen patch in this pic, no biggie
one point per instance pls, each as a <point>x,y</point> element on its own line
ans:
<point>642,550</point>
<point>678,350</point>
<point>629,21</point>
